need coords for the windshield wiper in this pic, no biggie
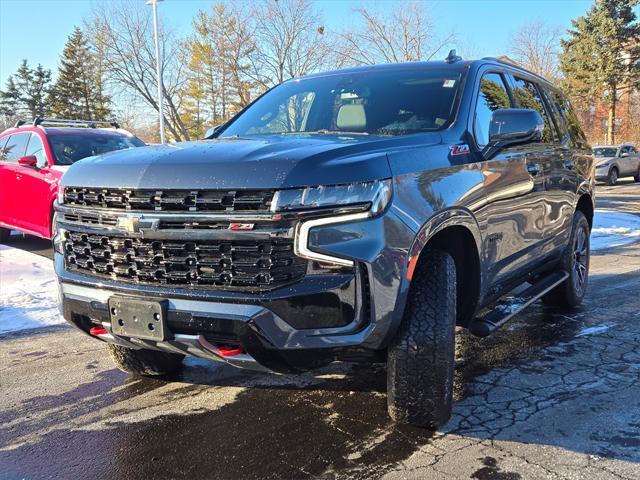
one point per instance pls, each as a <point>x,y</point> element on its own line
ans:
<point>324,131</point>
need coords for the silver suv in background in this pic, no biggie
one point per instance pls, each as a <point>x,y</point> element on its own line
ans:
<point>616,161</point>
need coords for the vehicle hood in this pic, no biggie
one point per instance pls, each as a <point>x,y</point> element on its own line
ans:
<point>277,161</point>
<point>601,160</point>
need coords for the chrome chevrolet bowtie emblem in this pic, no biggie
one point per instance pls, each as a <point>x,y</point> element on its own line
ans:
<point>129,223</point>
<point>133,223</point>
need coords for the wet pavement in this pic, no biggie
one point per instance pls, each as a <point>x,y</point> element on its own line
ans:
<point>554,394</point>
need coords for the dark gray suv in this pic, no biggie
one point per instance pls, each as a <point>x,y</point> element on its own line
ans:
<point>355,215</point>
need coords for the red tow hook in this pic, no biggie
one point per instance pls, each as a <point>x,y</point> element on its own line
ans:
<point>95,331</point>
<point>230,351</point>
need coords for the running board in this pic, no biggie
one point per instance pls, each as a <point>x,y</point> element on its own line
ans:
<point>504,310</point>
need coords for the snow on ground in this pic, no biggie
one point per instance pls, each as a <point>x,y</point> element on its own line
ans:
<point>612,229</point>
<point>28,291</point>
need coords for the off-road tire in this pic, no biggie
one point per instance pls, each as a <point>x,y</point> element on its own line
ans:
<point>567,294</point>
<point>421,358</point>
<point>144,362</point>
<point>5,233</point>
<point>613,176</point>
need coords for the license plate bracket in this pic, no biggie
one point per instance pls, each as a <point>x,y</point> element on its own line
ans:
<point>144,319</point>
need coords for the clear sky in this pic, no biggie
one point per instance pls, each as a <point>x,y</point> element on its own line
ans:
<point>37,29</point>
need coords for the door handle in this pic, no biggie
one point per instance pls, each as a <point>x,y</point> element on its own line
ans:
<point>534,169</point>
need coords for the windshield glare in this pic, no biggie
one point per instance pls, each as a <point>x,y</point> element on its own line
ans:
<point>69,148</point>
<point>605,152</point>
<point>377,103</point>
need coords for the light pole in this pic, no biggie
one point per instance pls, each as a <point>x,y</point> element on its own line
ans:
<point>154,5</point>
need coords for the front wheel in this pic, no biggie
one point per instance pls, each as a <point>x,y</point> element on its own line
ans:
<point>576,262</point>
<point>421,358</point>
<point>144,362</point>
<point>612,178</point>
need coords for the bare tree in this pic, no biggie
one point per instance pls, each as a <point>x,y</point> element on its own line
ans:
<point>290,41</point>
<point>123,32</point>
<point>536,46</point>
<point>403,34</point>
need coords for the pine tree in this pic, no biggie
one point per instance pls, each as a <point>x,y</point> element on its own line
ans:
<point>601,58</point>
<point>78,91</point>
<point>26,92</point>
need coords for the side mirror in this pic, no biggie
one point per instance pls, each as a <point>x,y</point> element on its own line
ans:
<point>28,161</point>
<point>624,155</point>
<point>513,126</point>
<point>210,133</point>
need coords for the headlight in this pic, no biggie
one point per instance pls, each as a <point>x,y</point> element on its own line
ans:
<point>602,165</point>
<point>375,195</point>
<point>60,194</point>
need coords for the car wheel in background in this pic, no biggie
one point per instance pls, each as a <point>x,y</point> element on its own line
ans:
<point>575,261</point>
<point>5,233</point>
<point>612,178</point>
<point>636,177</point>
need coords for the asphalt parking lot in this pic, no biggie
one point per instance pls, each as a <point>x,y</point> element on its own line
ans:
<point>552,395</point>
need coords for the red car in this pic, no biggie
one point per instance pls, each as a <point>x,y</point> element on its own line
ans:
<point>33,158</point>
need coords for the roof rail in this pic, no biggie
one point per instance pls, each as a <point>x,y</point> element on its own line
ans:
<point>72,123</point>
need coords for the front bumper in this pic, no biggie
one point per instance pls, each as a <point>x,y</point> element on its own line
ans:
<point>319,319</point>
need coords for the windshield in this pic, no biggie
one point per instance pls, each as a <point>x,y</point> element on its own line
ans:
<point>605,152</point>
<point>373,102</point>
<point>69,148</point>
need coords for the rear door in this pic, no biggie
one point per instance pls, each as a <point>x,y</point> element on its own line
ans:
<point>10,202</point>
<point>514,190</point>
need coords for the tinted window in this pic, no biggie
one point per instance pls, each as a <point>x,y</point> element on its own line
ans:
<point>525,95</point>
<point>556,113</point>
<point>16,146</point>
<point>374,102</point>
<point>570,119</point>
<point>69,148</point>
<point>492,96</point>
<point>35,148</point>
<point>625,150</point>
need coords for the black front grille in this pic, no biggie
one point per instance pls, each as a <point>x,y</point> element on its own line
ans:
<point>170,200</point>
<point>252,265</point>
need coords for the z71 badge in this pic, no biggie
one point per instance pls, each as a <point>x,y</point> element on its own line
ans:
<point>459,149</point>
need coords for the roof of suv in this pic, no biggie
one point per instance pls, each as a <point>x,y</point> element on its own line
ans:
<point>456,65</point>
<point>68,130</point>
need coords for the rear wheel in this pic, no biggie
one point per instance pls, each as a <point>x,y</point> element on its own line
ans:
<point>636,177</point>
<point>144,362</point>
<point>612,178</point>
<point>421,357</point>
<point>576,262</point>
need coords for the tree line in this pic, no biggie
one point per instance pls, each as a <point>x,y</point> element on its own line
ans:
<point>237,50</point>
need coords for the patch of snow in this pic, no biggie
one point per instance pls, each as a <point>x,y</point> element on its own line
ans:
<point>28,291</point>
<point>612,229</point>
<point>593,330</point>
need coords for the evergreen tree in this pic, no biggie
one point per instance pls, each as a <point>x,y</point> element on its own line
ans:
<point>78,91</point>
<point>26,92</point>
<point>601,58</point>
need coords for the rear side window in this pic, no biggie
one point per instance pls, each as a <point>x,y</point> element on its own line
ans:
<point>35,148</point>
<point>556,113</point>
<point>492,96</point>
<point>526,95</point>
<point>15,147</point>
<point>570,119</point>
